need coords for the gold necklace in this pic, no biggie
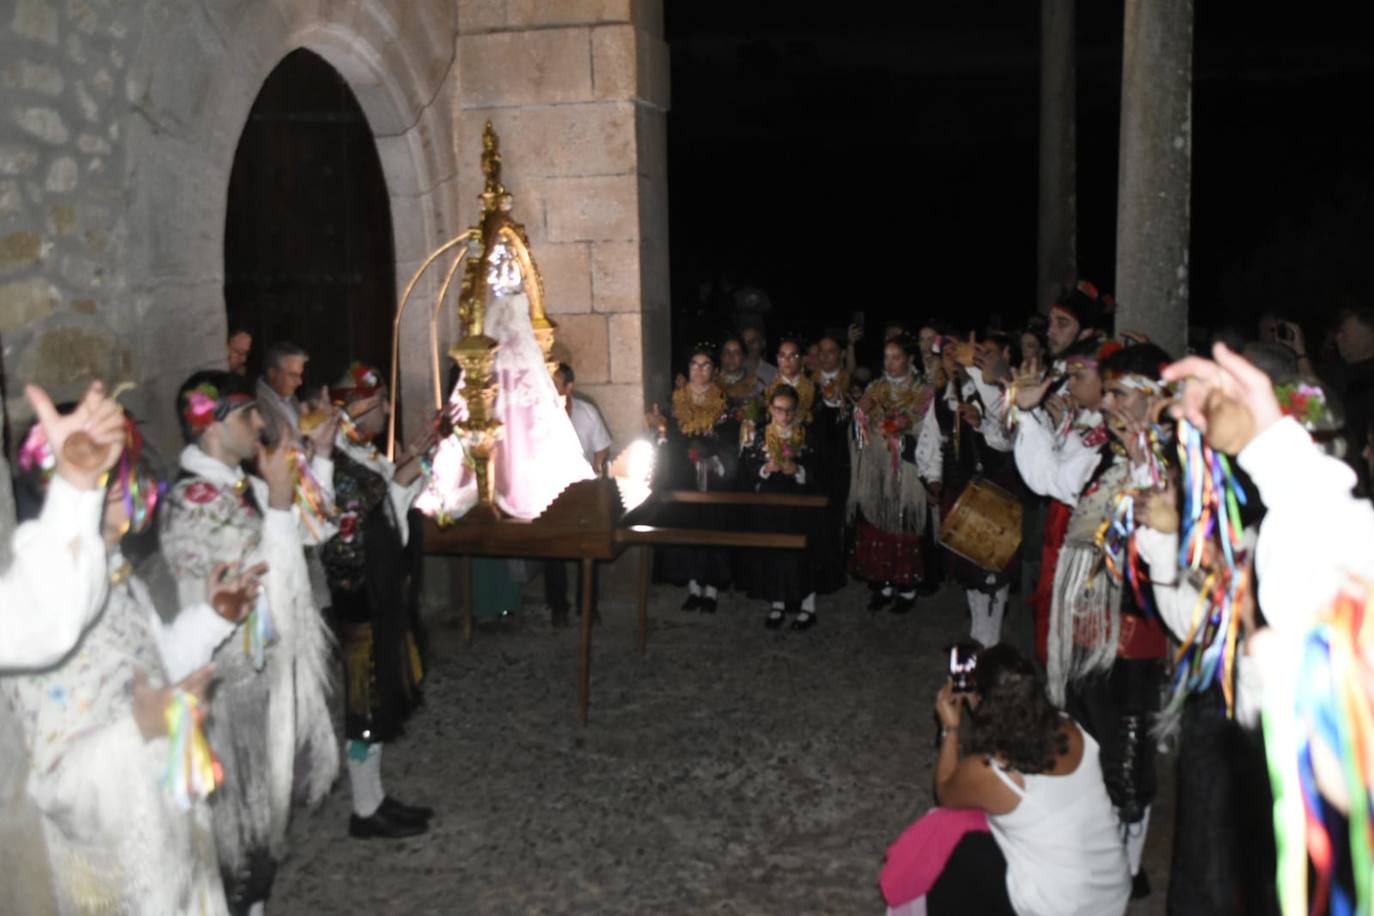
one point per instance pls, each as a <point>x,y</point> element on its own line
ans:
<point>698,418</point>
<point>806,393</point>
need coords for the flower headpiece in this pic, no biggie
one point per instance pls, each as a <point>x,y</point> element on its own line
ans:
<point>359,381</point>
<point>1306,403</point>
<point>203,405</point>
<point>141,490</point>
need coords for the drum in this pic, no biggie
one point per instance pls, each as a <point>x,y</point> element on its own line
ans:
<point>984,526</point>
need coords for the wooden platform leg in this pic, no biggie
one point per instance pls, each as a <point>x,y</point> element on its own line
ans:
<point>588,612</point>
<point>469,612</point>
<point>646,564</point>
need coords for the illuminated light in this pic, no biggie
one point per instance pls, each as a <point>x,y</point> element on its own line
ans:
<point>633,472</point>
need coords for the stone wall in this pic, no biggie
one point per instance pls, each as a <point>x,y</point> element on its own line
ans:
<point>578,91</point>
<point>120,122</point>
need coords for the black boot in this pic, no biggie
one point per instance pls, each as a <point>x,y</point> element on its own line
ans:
<point>384,826</point>
<point>774,619</point>
<point>403,812</point>
<point>879,600</point>
<point>805,621</point>
<point>692,603</point>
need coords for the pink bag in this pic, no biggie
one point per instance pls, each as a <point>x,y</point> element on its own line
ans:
<point>915,861</point>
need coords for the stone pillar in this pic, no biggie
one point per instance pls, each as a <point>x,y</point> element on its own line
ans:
<point>1155,178</point>
<point>1057,239</point>
<point>578,92</point>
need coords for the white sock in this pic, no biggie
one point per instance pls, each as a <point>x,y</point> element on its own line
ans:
<point>776,605</point>
<point>887,591</point>
<point>997,610</point>
<point>977,615</point>
<point>910,594</point>
<point>809,603</point>
<point>711,592</point>
<point>365,778</point>
<point>257,909</point>
<point>693,588</point>
<point>1135,840</point>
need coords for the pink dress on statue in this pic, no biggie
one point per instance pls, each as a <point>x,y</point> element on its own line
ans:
<point>538,454</point>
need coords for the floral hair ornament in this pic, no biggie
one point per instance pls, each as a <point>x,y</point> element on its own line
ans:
<point>36,453</point>
<point>359,381</point>
<point>1307,404</point>
<point>203,405</point>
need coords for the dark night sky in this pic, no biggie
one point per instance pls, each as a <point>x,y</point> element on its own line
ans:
<point>889,162</point>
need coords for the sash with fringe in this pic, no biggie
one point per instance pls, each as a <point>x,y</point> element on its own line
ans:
<point>1085,613</point>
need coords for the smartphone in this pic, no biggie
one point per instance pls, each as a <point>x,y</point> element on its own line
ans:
<point>963,667</point>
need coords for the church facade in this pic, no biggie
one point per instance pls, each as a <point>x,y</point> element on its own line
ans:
<point>119,131</point>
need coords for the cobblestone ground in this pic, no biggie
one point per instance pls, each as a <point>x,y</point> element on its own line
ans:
<point>733,770</point>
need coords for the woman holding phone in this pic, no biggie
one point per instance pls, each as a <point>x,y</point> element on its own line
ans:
<point>1026,793</point>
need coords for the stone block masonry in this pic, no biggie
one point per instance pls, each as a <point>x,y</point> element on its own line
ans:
<point>119,121</point>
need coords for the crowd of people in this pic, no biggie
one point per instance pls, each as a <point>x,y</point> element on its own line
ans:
<point>1197,530</point>
<point>1191,528</point>
<point>170,631</point>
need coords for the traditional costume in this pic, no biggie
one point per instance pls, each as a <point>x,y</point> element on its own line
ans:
<point>832,420</point>
<point>969,453</point>
<point>123,834</point>
<point>1106,645</point>
<point>783,578</point>
<point>699,451</point>
<point>269,717</point>
<point>896,448</point>
<point>55,581</point>
<point>373,567</point>
<point>1056,462</point>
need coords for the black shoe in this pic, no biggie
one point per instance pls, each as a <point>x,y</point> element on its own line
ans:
<point>383,826</point>
<point>1140,885</point>
<point>805,621</point>
<point>692,603</point>
<point>902,605</point>
<point>774,619</point>
<point>879,601</point>
<point>707,605</point>
<point>402,812</point>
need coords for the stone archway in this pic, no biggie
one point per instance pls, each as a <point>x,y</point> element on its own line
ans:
<point>307,244</point>
<point>192,107</point>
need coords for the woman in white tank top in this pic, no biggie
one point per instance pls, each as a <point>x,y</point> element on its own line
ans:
<point>1036,775</point>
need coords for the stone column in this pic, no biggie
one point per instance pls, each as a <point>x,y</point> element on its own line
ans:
<point>578,93</point>
<point>1155,178</point>
<point>1057,239</point>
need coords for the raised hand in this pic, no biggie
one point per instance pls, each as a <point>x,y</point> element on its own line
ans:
<point>233,596</point>
<point>86,442</point>
<point>1031,384</point>
<point>277,466</point>
<point>1229,400</point>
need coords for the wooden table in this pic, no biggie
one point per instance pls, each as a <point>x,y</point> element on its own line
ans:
<point>585,524</point>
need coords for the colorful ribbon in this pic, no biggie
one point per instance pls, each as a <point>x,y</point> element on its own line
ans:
<point>193,772</point>
<point>1332,715</point>
<point>258,632</point>
<point>1211,536</point>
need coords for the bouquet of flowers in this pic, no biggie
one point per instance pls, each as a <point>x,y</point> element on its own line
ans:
<point>894,424</point>
<point>1305,403</point>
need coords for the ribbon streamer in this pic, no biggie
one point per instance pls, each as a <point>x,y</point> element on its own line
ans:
<point>193,771</point>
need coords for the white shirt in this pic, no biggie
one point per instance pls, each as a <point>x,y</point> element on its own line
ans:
<point>1063,849</point>
<point>590,428</point>
<point>1059,470</point>
<point>56,582</point>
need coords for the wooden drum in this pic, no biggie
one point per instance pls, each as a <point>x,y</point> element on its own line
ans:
<point>984,526</point>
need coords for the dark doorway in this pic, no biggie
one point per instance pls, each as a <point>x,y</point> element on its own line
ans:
<point>307,243</point>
